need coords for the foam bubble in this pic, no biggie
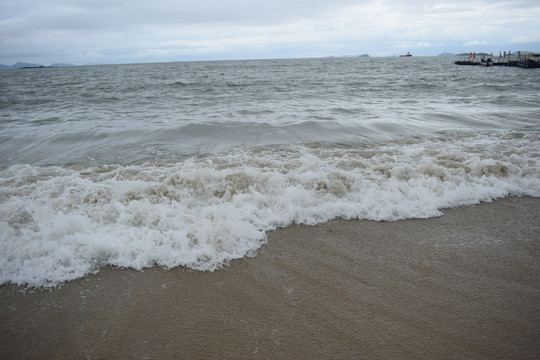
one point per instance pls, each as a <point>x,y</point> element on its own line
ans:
<point>60,223</point>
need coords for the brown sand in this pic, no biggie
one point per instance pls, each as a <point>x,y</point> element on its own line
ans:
<point>462,286</point>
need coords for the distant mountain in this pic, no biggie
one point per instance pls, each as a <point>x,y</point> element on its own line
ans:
<point>363,55</point>
<point>447,54</point>
<point>477,54</point>
<point>497,53</point>
<point>21,65</point>
<point>61,65</point>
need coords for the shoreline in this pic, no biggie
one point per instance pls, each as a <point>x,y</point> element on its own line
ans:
<point>462,285</point>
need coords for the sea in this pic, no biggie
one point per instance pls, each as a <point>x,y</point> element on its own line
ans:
<point>191,164</point>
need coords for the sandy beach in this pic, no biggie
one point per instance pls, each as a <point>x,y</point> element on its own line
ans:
<point>465,285</point>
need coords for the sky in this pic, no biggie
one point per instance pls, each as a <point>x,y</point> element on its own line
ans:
<point>133,31</point>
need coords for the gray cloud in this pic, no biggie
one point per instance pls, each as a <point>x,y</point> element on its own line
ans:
<point>96,31</point>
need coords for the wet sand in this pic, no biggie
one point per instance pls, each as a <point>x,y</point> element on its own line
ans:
<point>462,286</point>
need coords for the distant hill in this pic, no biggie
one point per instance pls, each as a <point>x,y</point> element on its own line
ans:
<point>477,54</point>
<point>21,65</point>
<point>350,56</point>
<point>447,54</point>
<point>513,52</point>
<point>61,65</point>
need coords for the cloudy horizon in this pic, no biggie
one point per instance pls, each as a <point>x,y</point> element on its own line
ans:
<point>97,31</point>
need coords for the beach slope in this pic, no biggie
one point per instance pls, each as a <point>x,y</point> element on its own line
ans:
<point>465,285</point>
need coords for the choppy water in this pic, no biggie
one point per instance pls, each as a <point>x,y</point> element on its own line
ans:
<point>190,164</point>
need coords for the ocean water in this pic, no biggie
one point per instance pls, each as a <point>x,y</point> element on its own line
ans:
<point>191,164</point>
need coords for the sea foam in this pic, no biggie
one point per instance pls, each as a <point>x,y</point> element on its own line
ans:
<point>61,223</point>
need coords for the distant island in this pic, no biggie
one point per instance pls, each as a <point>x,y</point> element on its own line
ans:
<point>484,53</point>
<point>348,56</point>
<point>62,65</point>
<point>23,65</point>
<point>463,54</point>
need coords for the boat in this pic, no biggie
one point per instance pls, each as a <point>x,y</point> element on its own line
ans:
<point>487,62</point>
<point>529,61</point>
<point>406,55</point>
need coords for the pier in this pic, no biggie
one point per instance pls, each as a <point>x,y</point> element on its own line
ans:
<point>526,61</point>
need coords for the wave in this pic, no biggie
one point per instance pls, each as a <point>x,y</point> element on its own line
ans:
<point>160,138</point>
<point>135,144</point>
<point>61,223</point>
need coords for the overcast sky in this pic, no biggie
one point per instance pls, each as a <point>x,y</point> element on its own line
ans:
<point>128,31</point>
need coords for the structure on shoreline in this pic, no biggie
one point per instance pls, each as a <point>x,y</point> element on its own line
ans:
<point>528,61</point>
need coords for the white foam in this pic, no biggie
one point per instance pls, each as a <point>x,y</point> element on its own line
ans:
<point>58,224</point>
